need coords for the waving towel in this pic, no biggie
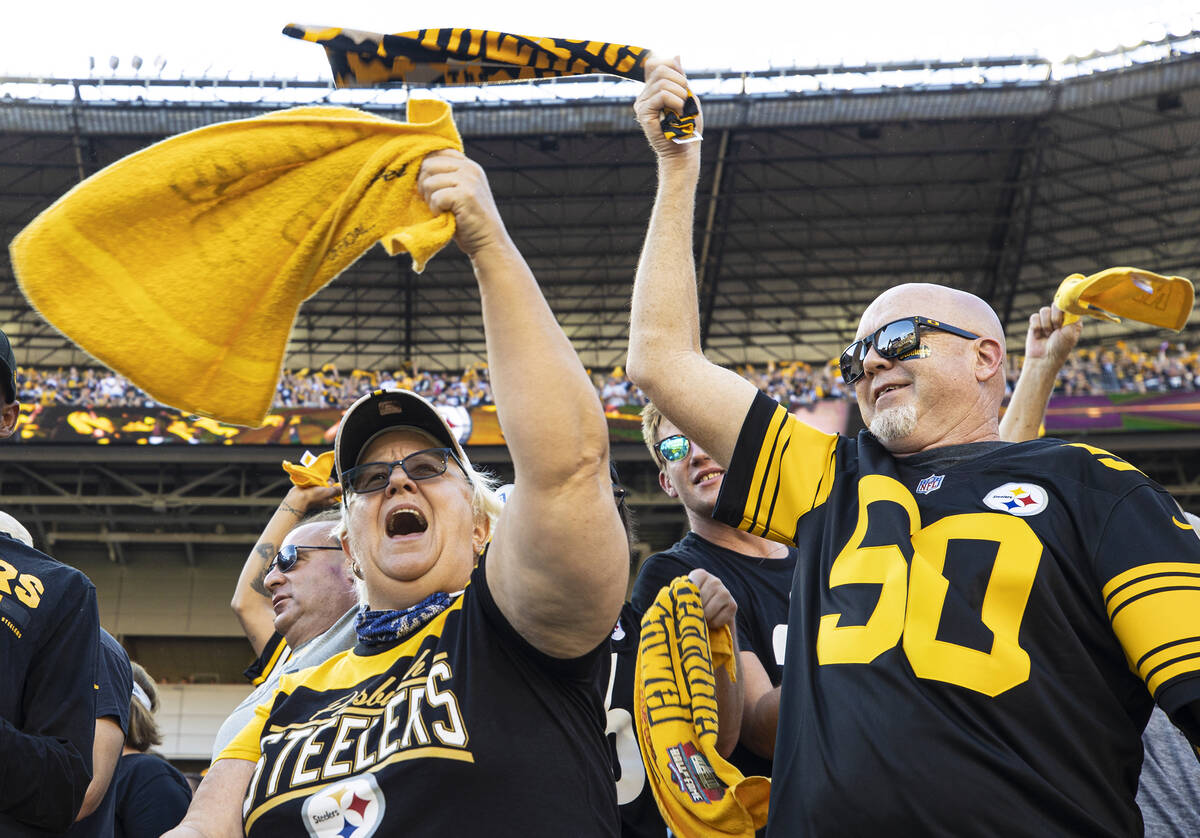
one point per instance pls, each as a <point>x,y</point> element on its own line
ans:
<point>1130,293</point>
<point>182,266</point>
<point>699,793</point>
<point>479,56</point>
<point>312,471</point>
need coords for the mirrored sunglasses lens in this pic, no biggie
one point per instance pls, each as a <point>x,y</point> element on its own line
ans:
<point>896,338</point>
<point>674,448</point>
<point>851,363</point>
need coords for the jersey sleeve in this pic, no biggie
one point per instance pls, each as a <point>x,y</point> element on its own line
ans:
<point>247,744</point>
<point>47,763</point>
<point>275,652</point>
<point>114,681</point>
<point>656,573</point>
<point>1148,562</point>
<point>781,469</point>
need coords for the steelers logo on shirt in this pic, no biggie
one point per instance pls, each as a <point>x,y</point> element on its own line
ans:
<point>350,809</point>
<point>1022,499</point>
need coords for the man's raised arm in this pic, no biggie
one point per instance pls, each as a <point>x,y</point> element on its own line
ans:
<point>705,401</point>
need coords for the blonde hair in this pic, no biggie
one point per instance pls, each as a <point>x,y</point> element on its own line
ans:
<point>651,421</point>
<point>143,729</point>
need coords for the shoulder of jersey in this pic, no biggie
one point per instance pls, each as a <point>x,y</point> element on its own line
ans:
<point>1091,465</point>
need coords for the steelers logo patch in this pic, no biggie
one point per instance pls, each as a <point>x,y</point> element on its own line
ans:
<point>1022,499</point>
<point>350,809</point>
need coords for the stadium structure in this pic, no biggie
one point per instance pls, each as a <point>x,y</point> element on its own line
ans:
<point>821,187</point>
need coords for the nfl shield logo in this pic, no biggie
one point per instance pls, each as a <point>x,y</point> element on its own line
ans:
<point>930,484</point>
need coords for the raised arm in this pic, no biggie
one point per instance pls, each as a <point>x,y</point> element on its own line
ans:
<point>558,563</point>
<point>1048,343</point>
<point>251,600</point>
<point>705,401</point>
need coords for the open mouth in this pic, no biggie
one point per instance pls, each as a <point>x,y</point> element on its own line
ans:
<point>709,477</point>
<point>888,389</point>
<point>406,521</point>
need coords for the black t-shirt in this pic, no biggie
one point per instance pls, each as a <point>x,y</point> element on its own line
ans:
<point>463,728</point>
<point>639,812</point>
<point>973,642</point>
<point>49,630</point>
<point>114,687</point>
<point>760,587</point>
<point>151,796</point>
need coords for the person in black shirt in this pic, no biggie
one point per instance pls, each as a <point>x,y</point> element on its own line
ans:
<point>114,685</point>
<point>468,706</point>
<point>757,572</point>
<point>978,630</point>
<point>151,795</point>
<point>49,641</point>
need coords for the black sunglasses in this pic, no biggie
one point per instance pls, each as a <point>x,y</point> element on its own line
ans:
<point>287,556</point>
<point>673,448</point>
<point>420,465</point>
<point>894,340</point>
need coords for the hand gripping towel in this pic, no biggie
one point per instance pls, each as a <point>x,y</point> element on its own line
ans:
<point>479,56</point>
<point>182,266</point>
<point>1129,293</point>
<point>312,471</point>
<point>699,794</point>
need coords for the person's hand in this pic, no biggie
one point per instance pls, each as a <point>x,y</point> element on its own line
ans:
<point>666,87</point>
<point>719,606</point>
<point>300,501</point>
<point>1048,340</point>
<point>451,182</point>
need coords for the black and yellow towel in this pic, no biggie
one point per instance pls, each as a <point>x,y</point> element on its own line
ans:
<point>479,56</point>
<point>699,794</point>
<point>182,266</point>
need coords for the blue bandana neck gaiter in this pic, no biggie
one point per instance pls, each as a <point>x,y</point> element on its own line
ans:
<point>375,628</point>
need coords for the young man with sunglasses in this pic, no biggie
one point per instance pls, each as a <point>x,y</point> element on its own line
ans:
<point>313,599</point>
<point>978,629</point>
<point>757,572</point>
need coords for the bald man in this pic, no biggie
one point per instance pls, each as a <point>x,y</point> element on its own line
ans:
<point>977,628</point>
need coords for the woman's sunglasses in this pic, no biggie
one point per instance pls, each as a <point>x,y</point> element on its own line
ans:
<point>420,465</point>
<point>287,556</point>
<point>895,340</point>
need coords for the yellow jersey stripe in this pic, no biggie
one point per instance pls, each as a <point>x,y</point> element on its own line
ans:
<point>1143,570</point>
<point>1157,621</point>
<point>1150,585</point>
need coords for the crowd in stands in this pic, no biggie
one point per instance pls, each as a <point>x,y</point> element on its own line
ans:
<point>1122,367</point>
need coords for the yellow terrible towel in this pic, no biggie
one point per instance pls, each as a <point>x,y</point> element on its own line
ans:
<point>1130,293</point>
<point>182,266</point>
<point>699,794</point>
<point>312,471</point>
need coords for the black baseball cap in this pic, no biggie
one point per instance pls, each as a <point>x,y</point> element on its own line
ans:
<point>8,367</point>
<point>387,410</point>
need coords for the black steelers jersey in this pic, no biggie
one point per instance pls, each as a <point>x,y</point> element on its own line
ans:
<point>49,644</point>
<point>972,648</point>
<point>639,812</point>
<point>461,729</point>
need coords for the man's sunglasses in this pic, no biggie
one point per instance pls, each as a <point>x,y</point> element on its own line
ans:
<point>420,465</point>
<point>674,448</point>
<point>287,556</point>
<point>895,340</point>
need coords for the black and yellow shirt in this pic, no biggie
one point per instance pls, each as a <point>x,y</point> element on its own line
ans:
<point>975,635</point>
<point>462,727</point>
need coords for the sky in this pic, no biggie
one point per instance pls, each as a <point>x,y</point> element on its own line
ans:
<point>223,38</point>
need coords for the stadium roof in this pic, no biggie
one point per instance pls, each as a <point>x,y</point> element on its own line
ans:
<point>1000,176</point>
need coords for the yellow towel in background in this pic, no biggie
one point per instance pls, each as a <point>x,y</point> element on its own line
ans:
<point>1127,293</point>
<point>312,471</point>
<point>699,793</point>
<point>182,266</point>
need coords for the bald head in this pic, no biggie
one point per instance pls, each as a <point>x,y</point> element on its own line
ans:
<point>949,392</point>
<point>950,305</point>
